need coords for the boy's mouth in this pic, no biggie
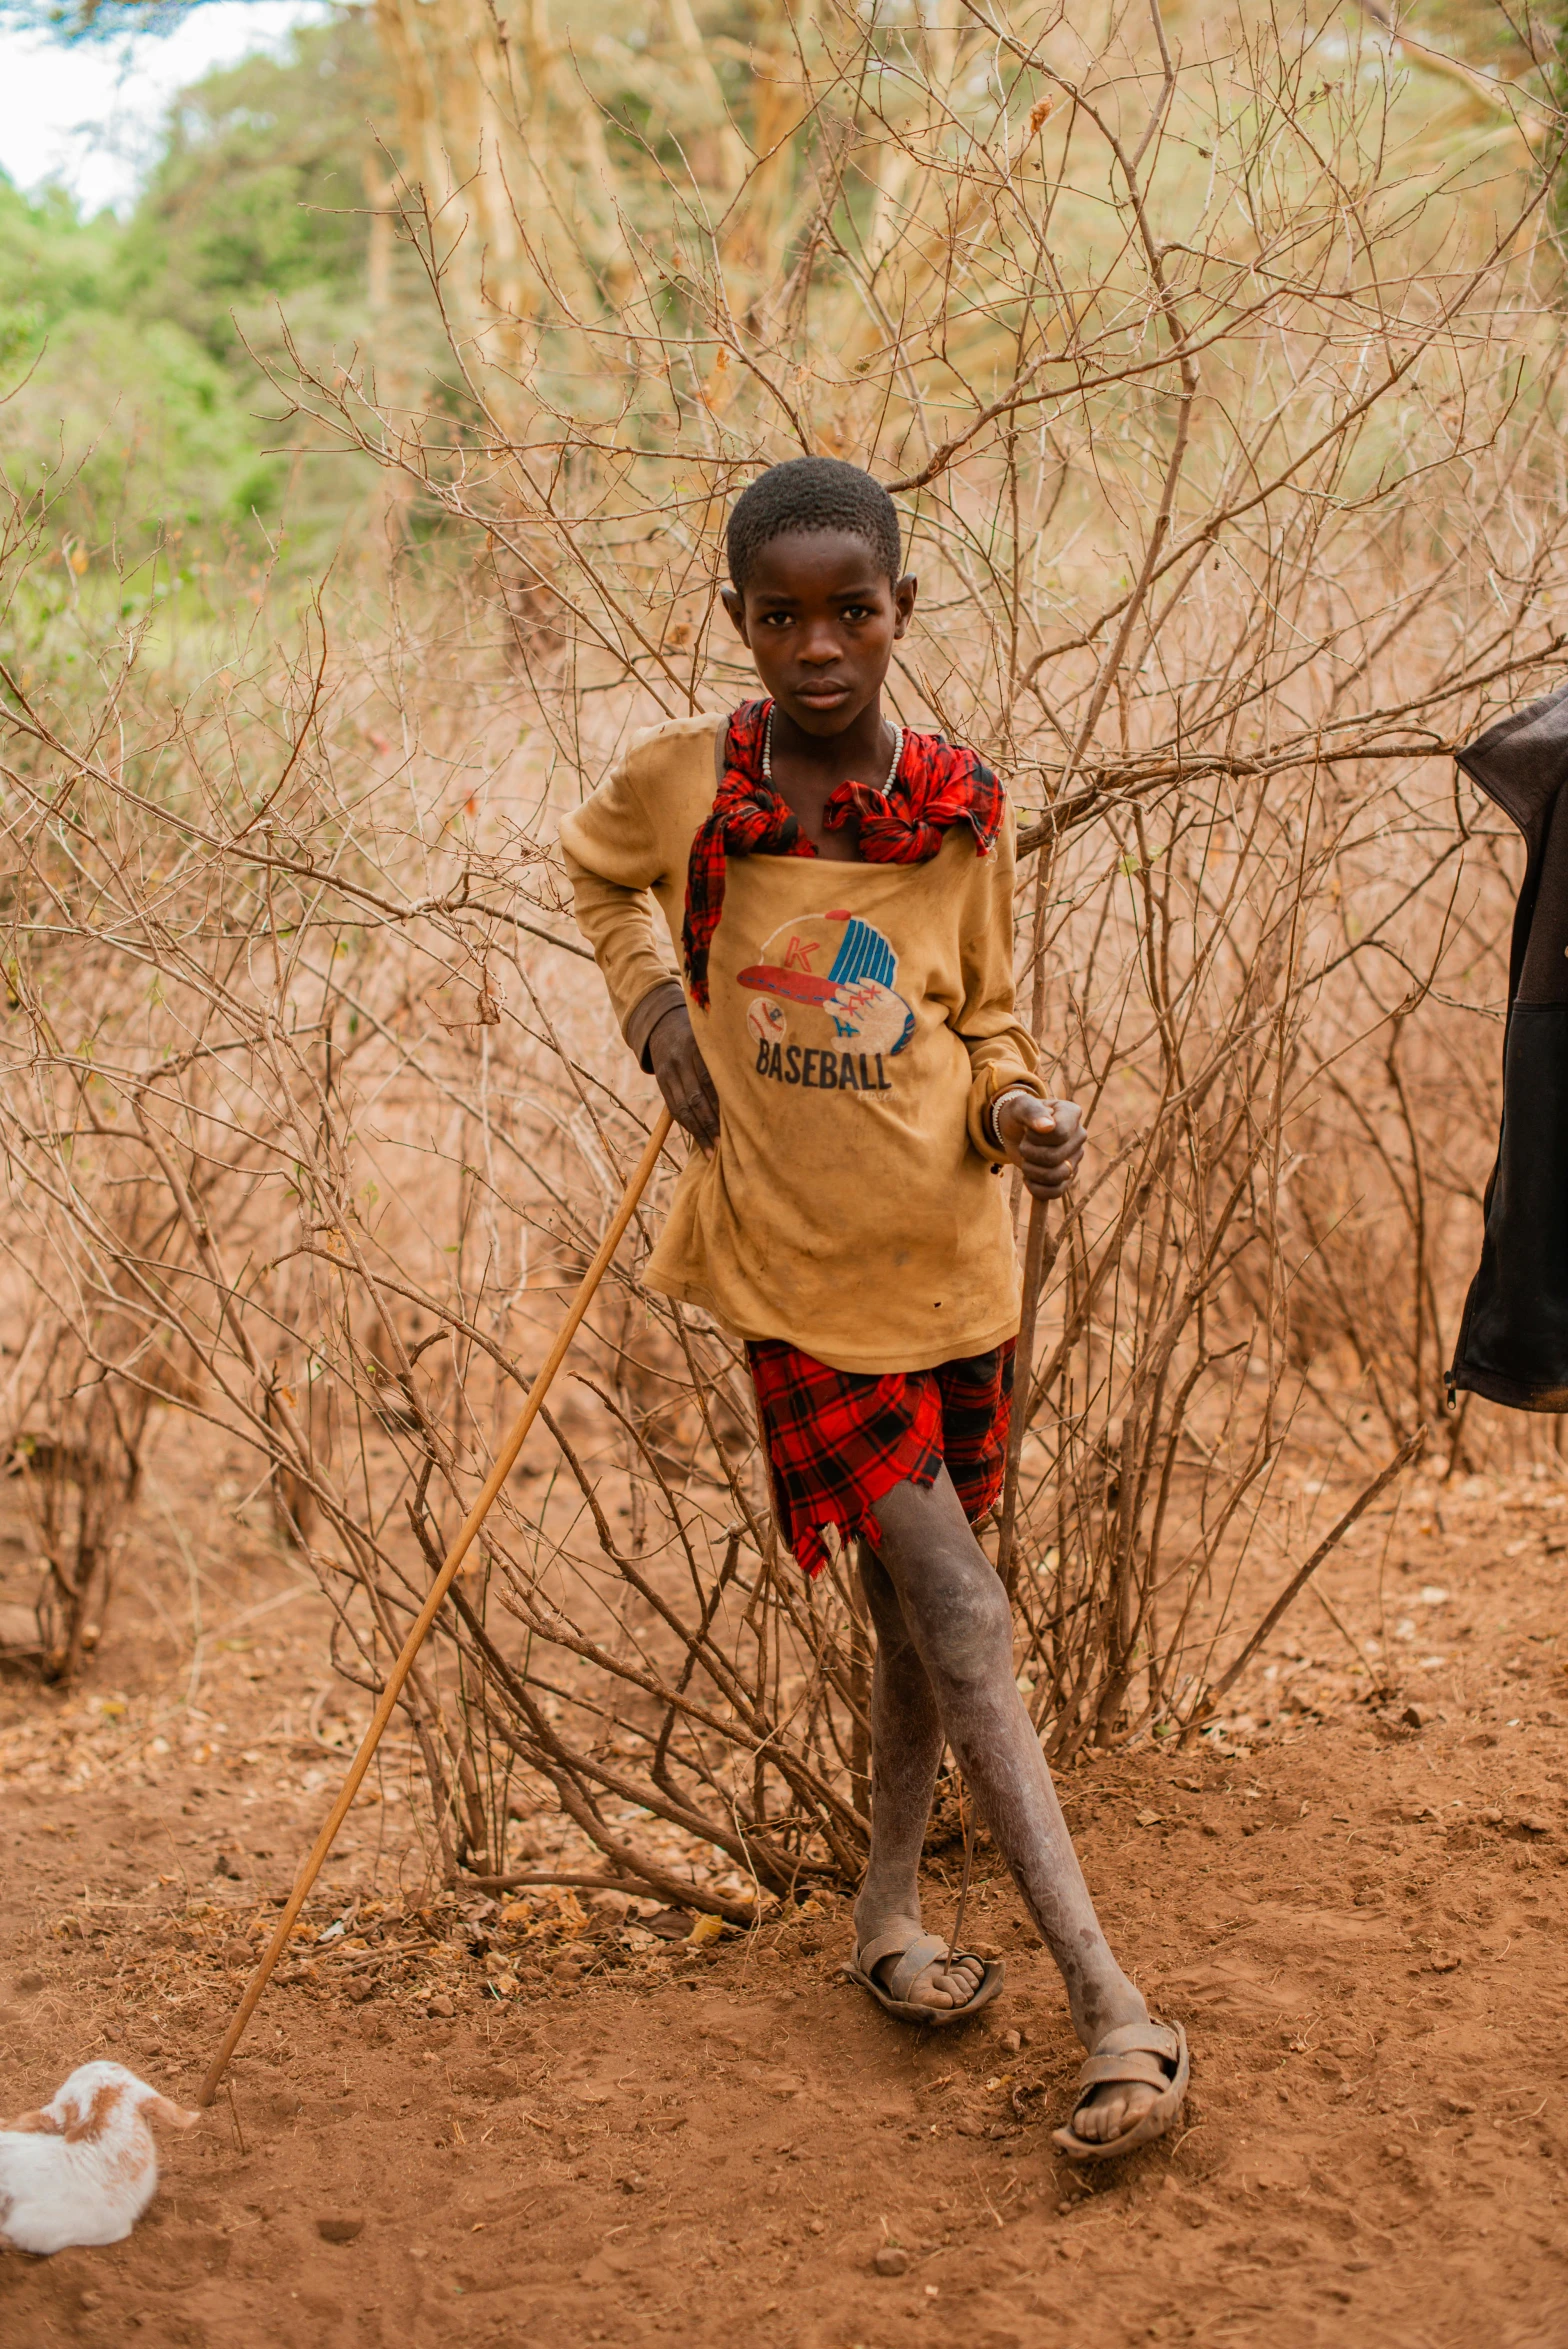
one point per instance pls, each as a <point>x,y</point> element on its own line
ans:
<point>822,696</point>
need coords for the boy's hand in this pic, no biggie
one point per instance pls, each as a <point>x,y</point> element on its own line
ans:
<point>1045,1138</point>
<point>683,1077</point>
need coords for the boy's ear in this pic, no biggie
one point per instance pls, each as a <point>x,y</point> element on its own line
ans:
<point>735,604</point>
<point>904,593</point>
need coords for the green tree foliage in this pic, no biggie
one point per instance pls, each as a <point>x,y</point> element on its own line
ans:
<point>259,195</point>
<point>133,401</point>
<point>52,265</point>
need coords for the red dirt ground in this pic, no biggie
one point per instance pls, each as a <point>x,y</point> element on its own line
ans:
<point>1360,1922</point>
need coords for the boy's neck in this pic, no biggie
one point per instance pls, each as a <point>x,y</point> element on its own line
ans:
<point>808,769</point>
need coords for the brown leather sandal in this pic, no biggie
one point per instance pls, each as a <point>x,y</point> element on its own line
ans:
<point>915,1958</point>
<point>1153,2054</point>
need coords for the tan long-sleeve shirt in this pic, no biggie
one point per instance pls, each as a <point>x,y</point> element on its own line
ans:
<point>860,1023</point>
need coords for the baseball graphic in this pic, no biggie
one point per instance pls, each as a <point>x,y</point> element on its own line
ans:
<point>767,1020</point>
<point>836,964</point>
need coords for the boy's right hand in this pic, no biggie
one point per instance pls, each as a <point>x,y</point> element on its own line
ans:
<point>683,1077</point>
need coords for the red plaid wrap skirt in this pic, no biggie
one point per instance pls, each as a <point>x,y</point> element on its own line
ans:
<point>838,1440</point>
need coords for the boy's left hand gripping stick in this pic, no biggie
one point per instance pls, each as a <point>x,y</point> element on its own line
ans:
<point>505,1461</point>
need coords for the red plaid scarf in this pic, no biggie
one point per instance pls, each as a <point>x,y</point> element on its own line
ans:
<point>937,786</point>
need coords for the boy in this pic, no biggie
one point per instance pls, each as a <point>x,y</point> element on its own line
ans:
<point>842,1048</point>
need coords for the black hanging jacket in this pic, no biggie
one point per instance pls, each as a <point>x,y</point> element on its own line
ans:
<point>1513,1340</point>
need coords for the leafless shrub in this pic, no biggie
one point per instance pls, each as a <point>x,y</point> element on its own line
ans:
<point>1225,430</point>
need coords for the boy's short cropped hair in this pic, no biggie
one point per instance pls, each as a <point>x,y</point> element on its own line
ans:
<point>812,493</point>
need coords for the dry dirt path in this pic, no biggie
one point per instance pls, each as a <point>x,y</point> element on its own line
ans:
<point>1360,1923</point>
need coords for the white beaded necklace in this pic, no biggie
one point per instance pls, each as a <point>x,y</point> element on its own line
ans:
<point>767,753</point>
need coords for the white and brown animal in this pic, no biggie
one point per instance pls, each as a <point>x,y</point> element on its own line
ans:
<point>84,2167</point>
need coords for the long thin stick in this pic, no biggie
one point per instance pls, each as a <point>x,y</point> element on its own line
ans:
<point>506,1459</point>
<point>966,1811</point>
<point>1023,1380</point>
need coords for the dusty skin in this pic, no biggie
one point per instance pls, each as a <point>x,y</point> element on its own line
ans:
<point>697,2146</point>
<point>944,1661</point>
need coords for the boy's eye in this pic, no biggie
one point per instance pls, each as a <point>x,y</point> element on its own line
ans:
<point>858,612</point>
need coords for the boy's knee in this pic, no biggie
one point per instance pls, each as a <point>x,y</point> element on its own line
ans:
<point>972,1625</point>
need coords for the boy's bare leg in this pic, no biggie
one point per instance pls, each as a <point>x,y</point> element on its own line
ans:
<point>906,1753</point>
<point>938,1605</point>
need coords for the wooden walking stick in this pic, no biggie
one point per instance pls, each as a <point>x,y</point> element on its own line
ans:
<point>505,1461</point>
<point>1036,1267</point>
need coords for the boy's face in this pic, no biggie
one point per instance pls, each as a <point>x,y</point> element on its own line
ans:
<point>821,620</point>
